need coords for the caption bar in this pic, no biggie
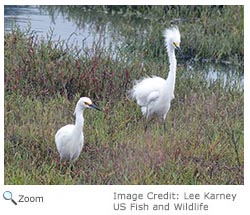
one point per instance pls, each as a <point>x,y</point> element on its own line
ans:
<point>168,201</point>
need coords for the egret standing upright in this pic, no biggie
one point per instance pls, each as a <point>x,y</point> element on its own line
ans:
<point>70,139</point>
<point>154,94</point>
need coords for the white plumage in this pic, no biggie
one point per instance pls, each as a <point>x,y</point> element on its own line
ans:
<point>70,139</point>
<point>154,94</point>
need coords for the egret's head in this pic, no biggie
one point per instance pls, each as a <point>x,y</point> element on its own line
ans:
<point>85,102</point>
<point>172,38</point>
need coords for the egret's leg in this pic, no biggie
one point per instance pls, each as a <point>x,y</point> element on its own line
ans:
<point>72,171</point>
<point>145,128</point>
<point>146,123</point>
<point>61,164</point>
<point>164,123</point>
<point>72,167</point>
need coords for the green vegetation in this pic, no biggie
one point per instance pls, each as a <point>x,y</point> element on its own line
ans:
<point>204,143</point>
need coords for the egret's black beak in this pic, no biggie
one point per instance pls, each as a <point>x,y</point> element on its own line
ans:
<point>95,107</point>
<point>180,51</point>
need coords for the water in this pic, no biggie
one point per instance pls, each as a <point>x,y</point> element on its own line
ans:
<point>31,17</point>
<point>228,75</point>
<point>87,31</point>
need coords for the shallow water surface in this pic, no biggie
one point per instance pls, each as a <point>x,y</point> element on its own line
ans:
<point>41,23</point>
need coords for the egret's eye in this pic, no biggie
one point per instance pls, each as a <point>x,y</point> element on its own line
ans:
<point>86,103</point>
<point>175,44</point>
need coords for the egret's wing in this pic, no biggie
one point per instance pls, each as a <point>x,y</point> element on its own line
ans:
<point>62,138</point>
<point>153,96</point>
<point>146,90</point>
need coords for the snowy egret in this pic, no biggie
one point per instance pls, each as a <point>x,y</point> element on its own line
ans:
<point>70,139</point>
<point>154,94</point>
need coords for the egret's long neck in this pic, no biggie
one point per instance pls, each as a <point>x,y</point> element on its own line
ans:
<point>79,119</point>
<point>170,82</point>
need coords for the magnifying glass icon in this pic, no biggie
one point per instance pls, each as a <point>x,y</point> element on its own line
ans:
<point>7,195</point>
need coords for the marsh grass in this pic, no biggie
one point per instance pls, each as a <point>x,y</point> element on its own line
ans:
<point>199,147</point>
<point>204,143</point>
